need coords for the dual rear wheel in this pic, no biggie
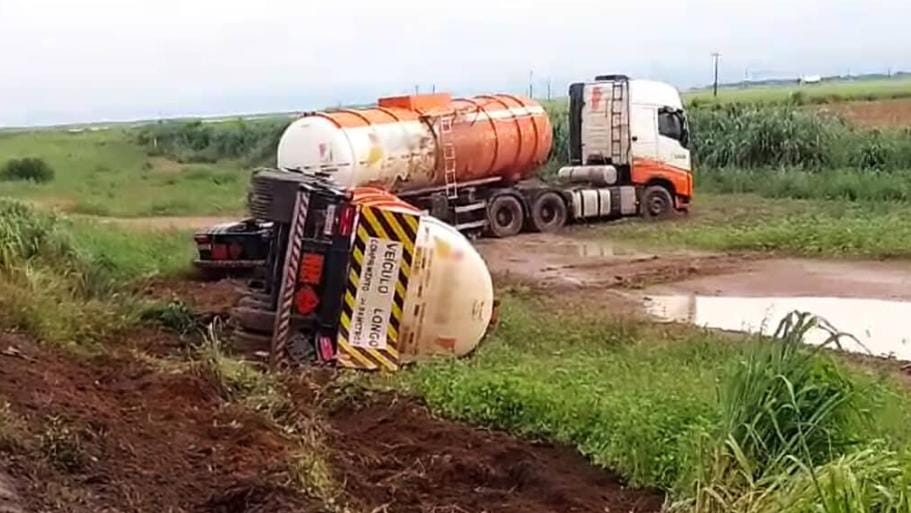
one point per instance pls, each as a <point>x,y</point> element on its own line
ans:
<point>507,215</point>
<point>548,211</point>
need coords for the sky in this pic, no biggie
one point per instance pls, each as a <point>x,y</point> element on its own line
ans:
<point>66,61</point>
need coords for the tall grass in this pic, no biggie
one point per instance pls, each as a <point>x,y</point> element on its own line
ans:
<point>66,282</point>
<point>749,136</point>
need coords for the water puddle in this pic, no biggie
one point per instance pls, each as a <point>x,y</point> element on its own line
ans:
<point>880,326</point>
<point>596,248</point>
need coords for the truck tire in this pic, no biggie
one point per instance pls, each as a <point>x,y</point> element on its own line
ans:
<point>548,213</point>
<point>657,203</point>
<point>505,216</point>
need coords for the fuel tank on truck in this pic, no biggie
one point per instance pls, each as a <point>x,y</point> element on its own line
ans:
<point>410,142</point>
<point>448,302</point>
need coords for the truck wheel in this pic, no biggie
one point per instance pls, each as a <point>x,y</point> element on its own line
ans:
<point>505,216</point>
<point>657,203</point>
<point>548,213</point>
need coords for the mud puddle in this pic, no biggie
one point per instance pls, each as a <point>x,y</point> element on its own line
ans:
<point>573,260</point>
<point>869,300</point>
<point>879,327</point>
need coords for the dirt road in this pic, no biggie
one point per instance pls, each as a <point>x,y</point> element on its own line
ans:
<point>576,260</point>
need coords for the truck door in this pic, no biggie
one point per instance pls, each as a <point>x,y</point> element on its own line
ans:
<point>644,125</point>
<point>673,138</point>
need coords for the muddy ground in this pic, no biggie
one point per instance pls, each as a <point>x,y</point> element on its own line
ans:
<point>121,431</point>
<point>133,428</point>
<point>578,261</point>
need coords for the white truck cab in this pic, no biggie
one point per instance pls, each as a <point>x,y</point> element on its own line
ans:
<point>634,133</point>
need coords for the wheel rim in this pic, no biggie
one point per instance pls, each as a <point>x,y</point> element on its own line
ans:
<point>504,217</point>
<point>657,205</point>
<point>548,214</point>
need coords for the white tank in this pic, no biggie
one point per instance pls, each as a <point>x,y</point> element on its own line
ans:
<point>379,154</point>
<point>450,297</point>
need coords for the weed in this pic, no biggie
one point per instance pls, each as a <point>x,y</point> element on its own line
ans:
<point>62,445</point>
<point>174,315</point>
<point>781,410</point>
<point>13,430</point>
<point>28,169</point>
<point>240,383</point>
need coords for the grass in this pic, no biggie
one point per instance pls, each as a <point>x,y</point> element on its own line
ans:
<point>826,184</point>
<point>826,92</point>
<point>795,227</point>
<point>661,404</point>
<point>107,173</point>
<point>68,282</point>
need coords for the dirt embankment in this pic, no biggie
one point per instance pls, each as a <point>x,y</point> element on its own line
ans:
<point>892,113</point>
<point>121,432</point>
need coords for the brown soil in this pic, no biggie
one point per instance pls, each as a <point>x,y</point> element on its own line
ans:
<point>136,437</point>
<point>203,297</point>
<point>130,438</point>
<point>396,457</point>
<point>893,113</point>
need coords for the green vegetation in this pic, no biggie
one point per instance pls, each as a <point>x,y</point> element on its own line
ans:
<point>796,227</point>
<point>107,173</point>
<point>64,281</point>
<point>27,169</point>
<point>253,142</point>
<point>743,136</point>
<point>826,184</point>
<point>723,424</point>
<point>826,92</point>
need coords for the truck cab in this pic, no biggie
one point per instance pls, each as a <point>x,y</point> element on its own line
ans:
<point>635,133</point>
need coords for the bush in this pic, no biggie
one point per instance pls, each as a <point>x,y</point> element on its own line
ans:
<point>254,142</point>
<point>32,169</point>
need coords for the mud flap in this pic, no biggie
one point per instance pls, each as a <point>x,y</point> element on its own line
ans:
<point>372,312</point>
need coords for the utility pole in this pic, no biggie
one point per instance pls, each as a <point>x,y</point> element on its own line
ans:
<point>715,57</point>
<point>531,85</point>
<point>548,89</point>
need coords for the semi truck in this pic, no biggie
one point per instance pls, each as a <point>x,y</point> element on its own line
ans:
<point>359,278</point>
<point>472,162</point>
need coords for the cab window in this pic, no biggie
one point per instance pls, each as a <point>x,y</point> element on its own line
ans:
<point>672,124</point>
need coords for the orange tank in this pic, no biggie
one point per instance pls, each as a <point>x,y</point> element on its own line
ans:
<point>420,141</point>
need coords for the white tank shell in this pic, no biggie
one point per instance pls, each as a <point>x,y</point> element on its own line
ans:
<point>379,155</point>
<point>450,296</point>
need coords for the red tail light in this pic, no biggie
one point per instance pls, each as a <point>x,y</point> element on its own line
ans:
<point>311,269</point>
<point>306,300</point>
<point>219,252</point>
<point>201,238</point>
<point>346,220</point>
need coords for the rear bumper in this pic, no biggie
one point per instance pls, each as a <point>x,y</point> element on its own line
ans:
<point>227,264</point>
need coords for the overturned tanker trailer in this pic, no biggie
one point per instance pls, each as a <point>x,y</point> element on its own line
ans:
<point>359,278</point>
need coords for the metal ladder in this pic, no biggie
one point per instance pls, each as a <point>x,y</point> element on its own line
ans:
<point>616,122</point>
<point>449,157</point>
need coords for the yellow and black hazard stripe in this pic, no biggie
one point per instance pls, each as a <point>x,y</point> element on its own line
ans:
<point>381,224</point>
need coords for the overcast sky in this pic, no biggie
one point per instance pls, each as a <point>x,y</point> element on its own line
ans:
<point>87,60</point>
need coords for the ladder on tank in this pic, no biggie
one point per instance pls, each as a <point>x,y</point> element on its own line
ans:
<point>617,100</point>
<point>449,157</point>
